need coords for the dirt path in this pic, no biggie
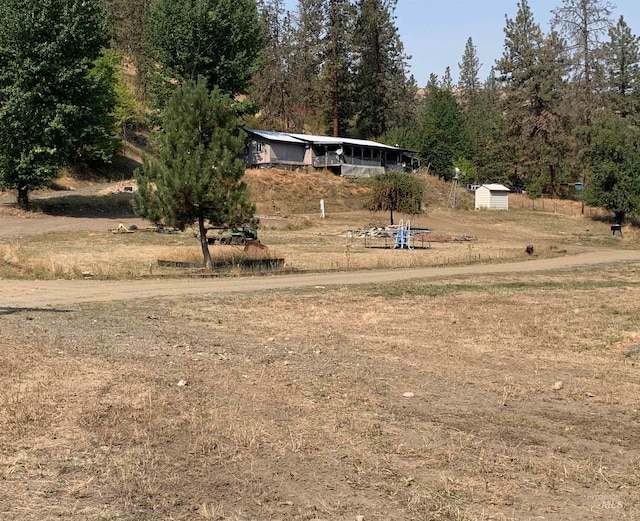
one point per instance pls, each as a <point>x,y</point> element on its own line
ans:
<point>56,293</point>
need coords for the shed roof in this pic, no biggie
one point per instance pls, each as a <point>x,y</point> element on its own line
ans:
<point>495,187</point>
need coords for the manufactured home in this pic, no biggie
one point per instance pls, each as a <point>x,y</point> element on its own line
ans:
<point>344,156</point>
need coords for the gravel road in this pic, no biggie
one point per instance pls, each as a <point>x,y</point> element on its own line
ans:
<point>60,293</point>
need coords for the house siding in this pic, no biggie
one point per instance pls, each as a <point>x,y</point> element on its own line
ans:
<point>287,153</point>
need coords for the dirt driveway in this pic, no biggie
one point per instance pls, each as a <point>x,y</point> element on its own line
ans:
<point>47,293</point>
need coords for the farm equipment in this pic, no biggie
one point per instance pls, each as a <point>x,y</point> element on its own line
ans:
<point>238,237</point>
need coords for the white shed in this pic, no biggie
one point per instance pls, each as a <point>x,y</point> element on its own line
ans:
<point>492,197</point>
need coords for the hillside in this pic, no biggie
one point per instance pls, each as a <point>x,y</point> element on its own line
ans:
<point>284,192</point>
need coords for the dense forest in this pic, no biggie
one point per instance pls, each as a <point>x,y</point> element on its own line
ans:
<point>558,107</point>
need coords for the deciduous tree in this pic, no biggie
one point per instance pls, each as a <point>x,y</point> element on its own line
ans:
<point>396,192</point>
<point>216,39</point>
<point>54,103</point>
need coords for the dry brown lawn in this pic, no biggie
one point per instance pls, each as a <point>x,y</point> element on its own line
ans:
<point>70,238</point>
<point>510,397</point>
<point>411,401</point>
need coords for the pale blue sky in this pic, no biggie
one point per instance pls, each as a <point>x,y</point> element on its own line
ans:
<point>434,32</point>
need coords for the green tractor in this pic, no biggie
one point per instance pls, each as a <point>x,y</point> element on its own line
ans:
<point>237,236</point>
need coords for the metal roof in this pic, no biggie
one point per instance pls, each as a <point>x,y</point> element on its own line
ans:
<point>326,140</point>
<point>318,140</point>
<point>494,187</point>
<point>276,136</point>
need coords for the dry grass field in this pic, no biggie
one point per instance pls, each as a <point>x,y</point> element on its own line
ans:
<point>410,401</point>
<point>68,237</point>
<point>511,397</point>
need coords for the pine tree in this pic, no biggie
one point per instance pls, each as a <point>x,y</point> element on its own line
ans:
<point>622,54</point>
<point>485,128</point>
<point>447,81</point>
<point>129,22</point>
<point>307,58</point>
<point>381,70</point>
<point>197,177</point>
<point>443,134</point>
<point>337,75</point>
<point>469,82</point>
<point>272,81</point>
<point>533,71</point>
<point>584,24</point>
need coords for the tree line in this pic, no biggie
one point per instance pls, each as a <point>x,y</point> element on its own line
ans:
<point>559,106</point>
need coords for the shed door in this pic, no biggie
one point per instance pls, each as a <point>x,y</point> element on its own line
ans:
<point>500,200</point>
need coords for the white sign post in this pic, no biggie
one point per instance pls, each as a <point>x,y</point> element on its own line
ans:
<point>322,208</point>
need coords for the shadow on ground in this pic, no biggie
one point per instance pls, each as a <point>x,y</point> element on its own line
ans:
<point>115,206</point>
<point>121,168</point>
<point>11,311</point>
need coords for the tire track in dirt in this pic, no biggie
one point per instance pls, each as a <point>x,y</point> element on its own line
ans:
<point>45,294</point>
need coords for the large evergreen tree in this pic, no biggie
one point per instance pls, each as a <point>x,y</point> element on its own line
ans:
<point>53,106</point>
<point>197,177</point>
<point>129,22</point>
<point>533,69</point>
<point>622,54</point>
<point>272,81</point>
<point>469,81</point>
<point>584,25</point>
<point>307,58</point>
<point>485,128</point>
<point>337,74</point>
<point>381,69</point>
<point>442,131</point>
